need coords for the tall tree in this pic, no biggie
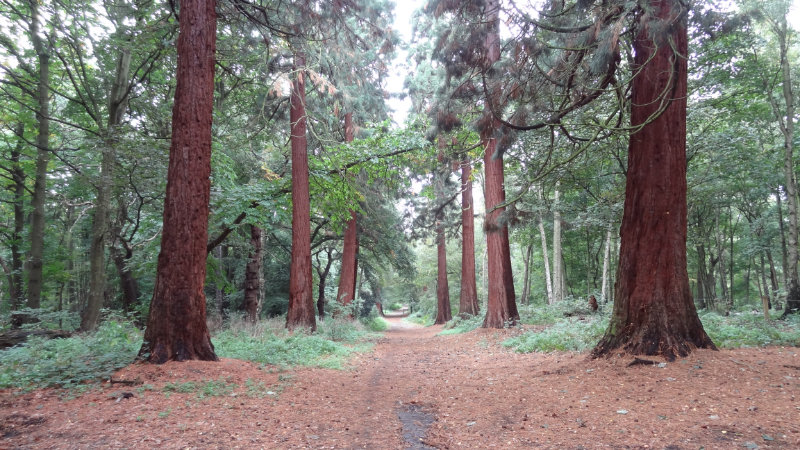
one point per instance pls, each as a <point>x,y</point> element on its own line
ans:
<point>443,312</point>
<point>501,306</point>
<point>36,254</point>
<point>653,309</point>
<point>349,267</point>
<point>301,301</point>
<point>468,299</point>
<point>176,327</point>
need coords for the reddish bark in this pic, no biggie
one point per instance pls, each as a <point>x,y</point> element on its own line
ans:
<point>468,304</point>
<point>349,269</point>
<point>653,309</point>
<point>443,311</point>
<point>176,327</point>
<point>501,307</point>
<point>252,276</point>
<point>301,302</point>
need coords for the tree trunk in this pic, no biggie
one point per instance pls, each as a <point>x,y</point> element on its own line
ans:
<point>323,277</point>
<point>653,309</point>
<point>301,312</point>
<point>117,103</point>
<point>526,281</point>
<point>501,305</point>
<point>443,311</point>
<point>347,278</point>
<point>176,327</point>
<point>128,283</point>
<point>558,260</point>
<point>786,122</point>
<point>18,174</point>
<point>782,227</point>
<point>547,278</point>
<point>252,276</point>
<point>36,253</point>
<point>604,291</point>
<point>468,299</point>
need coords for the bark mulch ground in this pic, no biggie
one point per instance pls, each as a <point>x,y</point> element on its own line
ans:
<point>419,390</point>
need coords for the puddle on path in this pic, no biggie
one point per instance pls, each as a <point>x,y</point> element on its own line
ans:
<point>416,420</point>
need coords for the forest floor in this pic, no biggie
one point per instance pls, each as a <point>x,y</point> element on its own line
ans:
<point>419,390</point>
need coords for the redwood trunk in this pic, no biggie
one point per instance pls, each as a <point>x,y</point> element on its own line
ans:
<point>443,311</point>
<point>468,304</point>
<point>176,328</point>
<point>347,278</point>
<point>653,309</point>
<point>501,306</point>
<point>252,276</point>
<point>301,302</point>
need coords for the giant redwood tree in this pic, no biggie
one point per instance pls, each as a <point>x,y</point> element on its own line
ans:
<point>653,309</point>
<point>176,327</point>
<point>301,312</point>
<point>501,306</point>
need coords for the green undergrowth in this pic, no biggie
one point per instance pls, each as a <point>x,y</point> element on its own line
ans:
<point>565,328</point>
<point>747,329</point>
<point>566,334</point>
<point>70,362</point>
<point>269,344</point>
<point>81,361</point>
<point>462,325</point>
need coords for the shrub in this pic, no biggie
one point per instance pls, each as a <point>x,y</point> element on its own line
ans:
<point>71,361</point>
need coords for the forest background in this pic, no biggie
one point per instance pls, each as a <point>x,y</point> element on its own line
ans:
<point>86,100</point>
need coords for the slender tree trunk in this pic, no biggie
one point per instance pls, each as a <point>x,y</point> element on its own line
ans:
<point>604,291</point>
<point>558,260</point>
<point>117,103</point>
<point>468,300</point>
<point>786,122</point>
<point>18,175</point>
<point>526,282</point>
<point>301,302</point>
<point>176,328</point>
<point>347,278</point>
<point>252,276</point>
<point>323,277</point>
<point>773,276</point>
<point>36,254</point>
<point>547,278</point>
<point>703,296</point>
<point>782,227</point>
<point>219,294</point>
<point>653,309</point>
<point>443,311</point>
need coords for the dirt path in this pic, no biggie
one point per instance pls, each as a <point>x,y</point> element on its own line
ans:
<point>420,390</point>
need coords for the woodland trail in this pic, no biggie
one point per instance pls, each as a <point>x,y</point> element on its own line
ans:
<point>418,389</point>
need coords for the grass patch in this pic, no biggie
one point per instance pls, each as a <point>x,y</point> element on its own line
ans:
<point>330,347</point>
<point>745,329</point>
<point>71,362</point>
<point>376,324</point>
<point>568,334</point>
<point>459,325</point>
